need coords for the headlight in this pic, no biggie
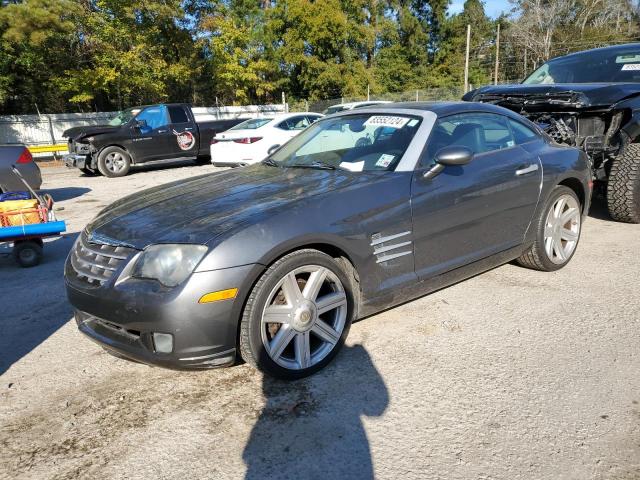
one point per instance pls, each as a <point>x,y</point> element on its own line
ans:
<point>169,264</point>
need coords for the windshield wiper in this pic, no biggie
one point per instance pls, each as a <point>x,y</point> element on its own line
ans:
<point>269,161</point>
<point>316,165</point>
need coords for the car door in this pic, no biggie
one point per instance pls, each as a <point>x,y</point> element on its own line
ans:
<point>151,136</point>
<point>185,132</point>
<point>470,212</point>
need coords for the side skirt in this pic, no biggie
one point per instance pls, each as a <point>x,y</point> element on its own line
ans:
<point>414,290</point>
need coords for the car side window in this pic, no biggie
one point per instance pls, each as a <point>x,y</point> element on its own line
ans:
<point>178,115</point>
<point>521,133</point>
<point>294,123</point>
<point>155,117</point>
<point>312,119</point>
<point>480,132</point>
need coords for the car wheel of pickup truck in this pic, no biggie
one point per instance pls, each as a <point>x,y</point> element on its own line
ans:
<point>623,187</point>
<point>114,162</point>
<point>298,314</point>
<point>558,232</point>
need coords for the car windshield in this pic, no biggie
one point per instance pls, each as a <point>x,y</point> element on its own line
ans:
<point>363,142</point>
<point>252,124</point>
<point>592,67</point>
<point>124,116</point>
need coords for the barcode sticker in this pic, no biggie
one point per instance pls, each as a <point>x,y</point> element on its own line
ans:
<point>387,121</point>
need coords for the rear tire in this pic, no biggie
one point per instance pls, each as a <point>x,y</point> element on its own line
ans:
<point>27,253</point>
<point>114,162</point>
<point>623,187</point>
<point>289,331</point>
<point>557,232</point>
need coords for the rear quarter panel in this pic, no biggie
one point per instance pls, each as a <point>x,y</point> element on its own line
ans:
<point>561,164</point>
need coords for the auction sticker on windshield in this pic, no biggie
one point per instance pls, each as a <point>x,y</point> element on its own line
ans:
<point>387,121</point>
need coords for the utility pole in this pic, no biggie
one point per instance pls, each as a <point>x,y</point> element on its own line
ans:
<point>368,93</point>
<point>525,62</point>
<point>466,61</point>
<point>495,75</point>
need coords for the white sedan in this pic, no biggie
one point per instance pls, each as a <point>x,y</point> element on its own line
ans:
<point>250,141</point>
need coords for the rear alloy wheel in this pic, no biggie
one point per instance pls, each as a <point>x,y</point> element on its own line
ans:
<point>298,315</point>
<point>114,162</point>
<point>558,233</point>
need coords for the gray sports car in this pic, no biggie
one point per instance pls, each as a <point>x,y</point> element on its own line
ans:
<point>362,211</point>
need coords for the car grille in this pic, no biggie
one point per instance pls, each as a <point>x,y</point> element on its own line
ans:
<point>95,263</point>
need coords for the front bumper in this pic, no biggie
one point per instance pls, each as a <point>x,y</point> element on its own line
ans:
<point>75,160</point>
<point>122,317</point>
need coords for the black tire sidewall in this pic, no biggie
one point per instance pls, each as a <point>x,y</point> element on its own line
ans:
<point>264,287</point>
<point>557,192</point>
<point>28,245</point>
<point>102,166</point>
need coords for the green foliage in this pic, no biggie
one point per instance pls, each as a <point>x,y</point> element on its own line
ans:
<point>70,55</point>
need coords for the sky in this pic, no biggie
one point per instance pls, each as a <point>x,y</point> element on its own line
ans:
<point>493,8</point>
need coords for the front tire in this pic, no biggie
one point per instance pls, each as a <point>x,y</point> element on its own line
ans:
<point>298,314</point>
<point>114,162</point>
<point>623,186</point>
<point>558,232</point>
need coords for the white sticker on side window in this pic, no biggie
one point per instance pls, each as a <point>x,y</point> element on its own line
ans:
<point>631,66</point>
<point>385,160</point>
<point>387,121</point>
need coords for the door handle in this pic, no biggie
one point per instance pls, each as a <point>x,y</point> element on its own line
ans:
<point>531,168</point>
<point>163,131</point>
<point>188,129</point>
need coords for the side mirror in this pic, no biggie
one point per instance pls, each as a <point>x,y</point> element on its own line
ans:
<point>449,156</point>
<point>272,149</point>
<point>140,124</point>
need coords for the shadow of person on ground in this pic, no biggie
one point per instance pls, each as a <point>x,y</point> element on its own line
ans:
<point>33,301</point>
<point>312,428</point>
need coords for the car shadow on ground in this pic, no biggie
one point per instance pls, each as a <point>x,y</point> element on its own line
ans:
<point>34,303</point>
<point>65,193</point>
<point>599,208</point>
<point>314,426</point>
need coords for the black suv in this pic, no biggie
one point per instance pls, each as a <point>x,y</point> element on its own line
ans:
<point>589,100</point>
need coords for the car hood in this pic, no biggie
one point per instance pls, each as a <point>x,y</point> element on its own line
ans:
<point>199,209</point>
<point>77,132</point>
<point>571,95</point>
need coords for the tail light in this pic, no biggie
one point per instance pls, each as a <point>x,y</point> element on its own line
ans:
<point>25,157</point>
<point>213,141</point>
<point>247,140</point>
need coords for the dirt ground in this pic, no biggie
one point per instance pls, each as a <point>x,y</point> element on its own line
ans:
<point>513,374</point>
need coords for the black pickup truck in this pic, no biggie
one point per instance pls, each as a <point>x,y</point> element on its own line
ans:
<point>142,134</point>
<point>589,100</point>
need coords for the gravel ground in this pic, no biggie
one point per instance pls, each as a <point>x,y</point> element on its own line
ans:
<point>513,374</point>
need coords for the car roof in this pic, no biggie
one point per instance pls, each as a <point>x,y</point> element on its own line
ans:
<point>443,109</point>
<point>611,48</point>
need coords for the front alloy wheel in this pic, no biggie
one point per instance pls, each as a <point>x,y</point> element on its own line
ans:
<point>298,315</point>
